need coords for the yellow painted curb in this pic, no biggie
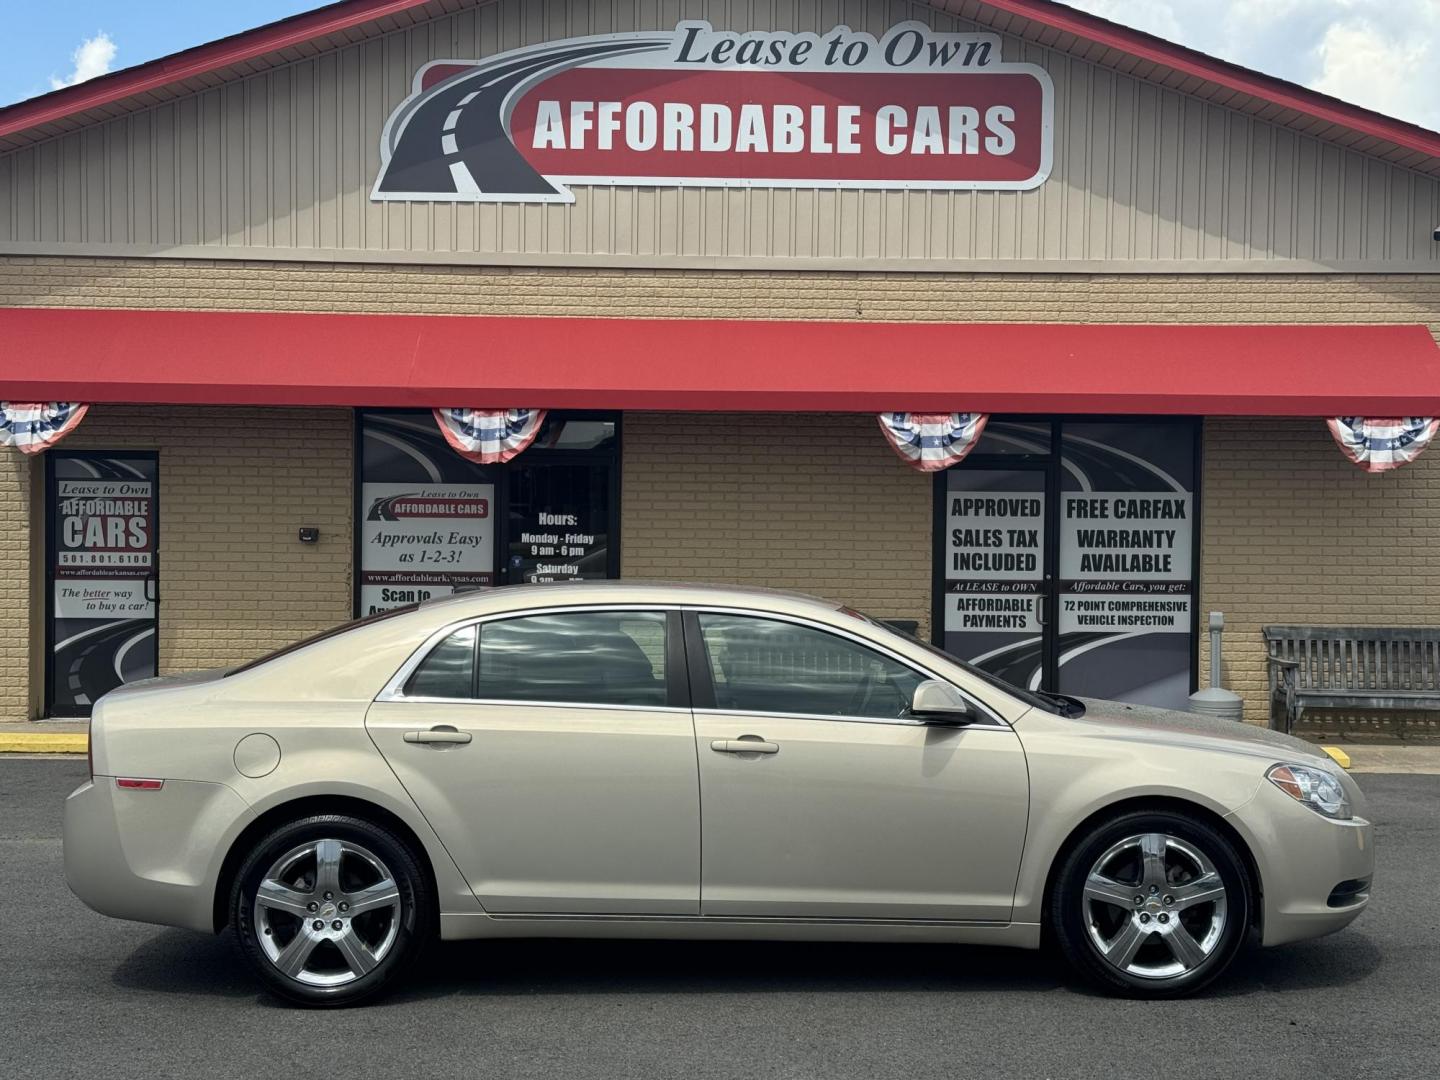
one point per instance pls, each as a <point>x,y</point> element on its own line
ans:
<point>43,743</point>
<point>1341,758</point>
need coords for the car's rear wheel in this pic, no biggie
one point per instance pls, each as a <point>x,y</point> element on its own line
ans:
<point>331,909</point>
<point>1151,904</point>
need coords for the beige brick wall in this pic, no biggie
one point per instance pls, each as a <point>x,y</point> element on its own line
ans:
<point>1294,533</point>
<point>235,486</point>
<point>16,600</point>
<point>1291,530</point>
<point>1086,298</point>
<point>818,503</point>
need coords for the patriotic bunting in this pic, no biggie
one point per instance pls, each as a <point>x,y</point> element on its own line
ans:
<point>931,442</point>
<point>34,426</point>
<point>1378,444</point>
<point>489,436</point>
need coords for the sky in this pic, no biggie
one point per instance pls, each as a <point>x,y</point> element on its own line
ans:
<point>1382,54</point>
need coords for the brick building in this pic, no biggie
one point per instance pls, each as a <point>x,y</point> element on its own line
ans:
<point>224,255</point>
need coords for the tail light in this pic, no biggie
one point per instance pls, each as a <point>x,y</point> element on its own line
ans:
<point>135,783</point>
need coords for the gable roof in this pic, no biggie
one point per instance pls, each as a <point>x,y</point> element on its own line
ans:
<point>1044,22</point>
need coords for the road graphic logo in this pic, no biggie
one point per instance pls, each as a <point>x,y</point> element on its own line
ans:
<point>914,109</point>
<point>421,505</point>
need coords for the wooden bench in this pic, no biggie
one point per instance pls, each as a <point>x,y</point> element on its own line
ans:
<point>1388,669</point>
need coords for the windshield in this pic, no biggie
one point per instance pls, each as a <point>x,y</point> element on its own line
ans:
<point>334,631</point>
<point>1058,704</point>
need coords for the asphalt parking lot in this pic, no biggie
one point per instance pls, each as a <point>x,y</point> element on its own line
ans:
<point>83,995</point>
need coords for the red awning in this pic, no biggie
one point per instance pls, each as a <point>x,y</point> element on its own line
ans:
<point>240,358</point>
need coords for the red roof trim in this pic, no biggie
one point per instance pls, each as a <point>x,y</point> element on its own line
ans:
<point>348,13</point>
<point>707,365</point>
<point>235,49</point>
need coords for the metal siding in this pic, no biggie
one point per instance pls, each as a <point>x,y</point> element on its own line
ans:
<point>282,161</point>
<point>10,181</point>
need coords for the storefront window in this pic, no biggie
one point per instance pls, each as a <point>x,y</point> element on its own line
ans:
<point>1011,437</point>
<point>432,523</point>
<point>1067,557</point>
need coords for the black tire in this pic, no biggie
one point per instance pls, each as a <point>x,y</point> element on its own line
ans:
<point>392,935</point>
<point>1078,921</point>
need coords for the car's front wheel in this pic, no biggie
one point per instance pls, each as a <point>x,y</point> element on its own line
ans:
<point>1151,904</point>
<point>331,909</point>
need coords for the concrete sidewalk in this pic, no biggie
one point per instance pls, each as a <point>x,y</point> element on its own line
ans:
<point>68,737</point>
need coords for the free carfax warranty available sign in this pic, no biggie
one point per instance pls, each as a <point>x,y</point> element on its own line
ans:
<point>915,109</point>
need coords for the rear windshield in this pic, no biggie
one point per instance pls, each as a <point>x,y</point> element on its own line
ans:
<point>324,635</point>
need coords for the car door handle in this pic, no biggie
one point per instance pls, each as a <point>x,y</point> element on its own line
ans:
<point>748,745</point>
<point>438,735</point>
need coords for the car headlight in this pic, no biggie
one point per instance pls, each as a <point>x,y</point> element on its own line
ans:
<point>1316,788</point>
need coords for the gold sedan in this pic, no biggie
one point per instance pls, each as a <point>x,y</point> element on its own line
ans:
<point>617,760</point>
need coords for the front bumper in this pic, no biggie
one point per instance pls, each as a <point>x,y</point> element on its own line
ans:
<point>1310,866</point>
<point>150,856</point>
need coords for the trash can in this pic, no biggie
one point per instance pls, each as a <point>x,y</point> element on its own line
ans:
<point>1214,700</point>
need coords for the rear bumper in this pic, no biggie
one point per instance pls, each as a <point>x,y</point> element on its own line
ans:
<point>150,856</point>
<point>1310,866</point>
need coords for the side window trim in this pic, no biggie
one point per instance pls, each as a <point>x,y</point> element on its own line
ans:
<point>678,684</point>
<point>702,679</point>
<point>475,662</point>
<point>697,664</point>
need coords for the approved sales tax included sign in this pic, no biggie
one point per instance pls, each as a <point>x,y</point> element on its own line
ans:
<point>915,109</point>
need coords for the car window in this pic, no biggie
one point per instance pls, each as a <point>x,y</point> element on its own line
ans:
<point>765,665</point>
<point>1059,704</point>
<point>449,669</point>
<point>582,657</point>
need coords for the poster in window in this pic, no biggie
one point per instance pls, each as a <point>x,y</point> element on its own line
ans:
<point>427,516</point>
<point>994,555</point>
<point>1126,561</point>
<point>104,577</point>
<point>559,515</point>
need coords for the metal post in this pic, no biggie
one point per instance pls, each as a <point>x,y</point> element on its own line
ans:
<point>1215,701</point>
<point>1217,626</point>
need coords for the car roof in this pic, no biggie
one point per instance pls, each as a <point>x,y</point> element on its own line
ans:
<point>669,593</point>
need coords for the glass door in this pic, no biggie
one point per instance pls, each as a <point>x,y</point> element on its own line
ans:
<point>1067,557</point>
<point>432,523</point>
<point>563,501</point>
<point>1127,561</point>
<point>103,575</point>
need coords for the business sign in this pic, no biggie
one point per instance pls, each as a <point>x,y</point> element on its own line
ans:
<point>422,541</point>
<point>104,549</point>
<point>995,565</point>
<point>915,109</point>
<point>1125,562</point>
<point>104,576</point>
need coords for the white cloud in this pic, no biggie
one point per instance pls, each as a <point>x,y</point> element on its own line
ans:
<point>1157,17</point>
<point>1361,63</point>
<point>1376,53</point>
<point>92,58</point>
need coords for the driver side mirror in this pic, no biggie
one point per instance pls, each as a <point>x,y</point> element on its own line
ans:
<point>936,702</point>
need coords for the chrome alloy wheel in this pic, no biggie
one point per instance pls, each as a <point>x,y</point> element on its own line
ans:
<point>1154,906</point>
<point>327,912</point>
